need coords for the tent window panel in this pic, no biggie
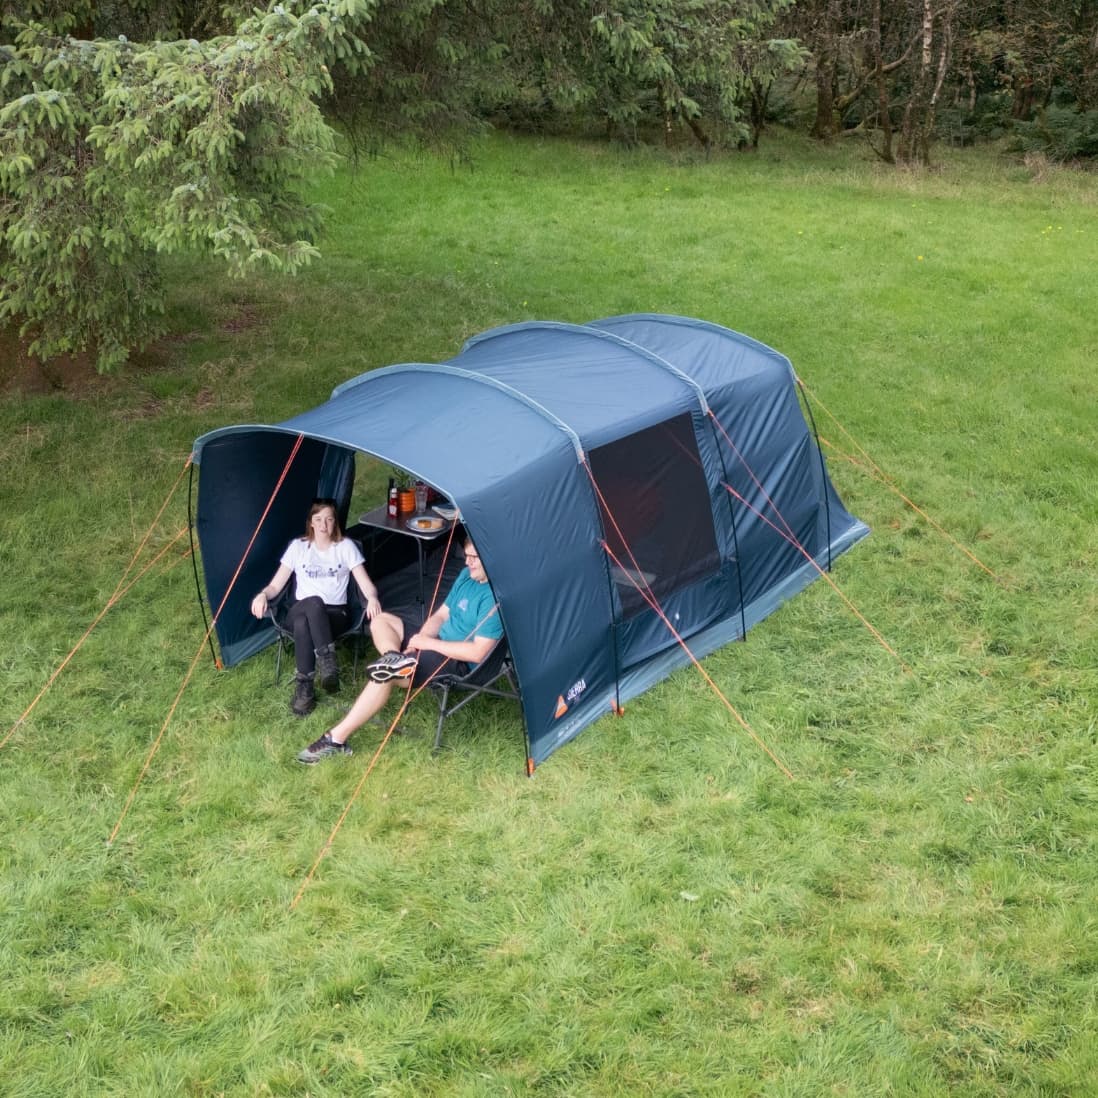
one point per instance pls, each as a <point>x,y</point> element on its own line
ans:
<point>656,513</point>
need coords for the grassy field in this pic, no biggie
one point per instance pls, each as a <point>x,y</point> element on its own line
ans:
<point>658,911</point>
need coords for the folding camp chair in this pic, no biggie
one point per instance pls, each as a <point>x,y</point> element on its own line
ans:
<point>278,610</point>
<point>481,679</point>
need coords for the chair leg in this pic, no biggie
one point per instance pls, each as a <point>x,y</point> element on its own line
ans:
<point>278,662</point>
<point>444,693</point>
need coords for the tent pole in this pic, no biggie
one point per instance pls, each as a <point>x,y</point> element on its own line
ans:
<point>615,623</point>
<point>823,466</point>
<point>732,519</point>
<point>739,570</point>
<point>194,563</point>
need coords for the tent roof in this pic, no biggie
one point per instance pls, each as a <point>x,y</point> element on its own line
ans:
<point>713,356</point>
<point>429,422</point>
<point>538,386</point>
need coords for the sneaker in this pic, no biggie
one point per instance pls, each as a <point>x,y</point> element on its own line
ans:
<point>304,700</point>
<point>393,665</point>
<point>321,748</point>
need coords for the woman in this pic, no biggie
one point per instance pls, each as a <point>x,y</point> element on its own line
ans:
<point>322,562</point>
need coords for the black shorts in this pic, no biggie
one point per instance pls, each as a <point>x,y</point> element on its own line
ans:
<point>412,618</point>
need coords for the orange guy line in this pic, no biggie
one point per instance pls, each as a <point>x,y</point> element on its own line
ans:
<point>409,697</point>
<point>649,596</point>
<point>881,479</point>
<point>705,674</point>
<point>120,590</point>
<point>886,480</point>
<point>205,639</point>
<point>823,574</point>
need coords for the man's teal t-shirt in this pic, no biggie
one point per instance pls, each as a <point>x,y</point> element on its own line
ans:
<point>472,611</point>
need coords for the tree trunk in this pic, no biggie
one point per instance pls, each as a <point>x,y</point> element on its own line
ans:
<point>702,137</point>
<point>945,48</point>
<point>760,96</point>
<point>884,106</point>
<point>914,146</point>
<point>1022,107</point>
<point>85,31</point>
<point>824,126</point>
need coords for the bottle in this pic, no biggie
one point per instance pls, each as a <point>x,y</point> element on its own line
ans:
<point>394,510</point>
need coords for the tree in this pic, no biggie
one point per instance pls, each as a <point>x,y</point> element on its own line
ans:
<point>443,66</point>
<point>705,63</point>
<point>832,31</point>
<point>927,71</point>
<point>140,20</point>
<point>851,58</point>
<point>922,58</point>
<point>1032,47</point>
<point>437,66</point>
<point>113,154</point>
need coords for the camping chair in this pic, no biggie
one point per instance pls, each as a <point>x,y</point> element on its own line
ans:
<point>481,679</point>
<point>279,609</point>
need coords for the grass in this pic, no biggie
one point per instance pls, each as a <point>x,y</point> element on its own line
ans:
<point>658,911</point>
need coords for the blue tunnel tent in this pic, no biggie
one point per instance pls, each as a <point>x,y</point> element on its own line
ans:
<point>580,456</point>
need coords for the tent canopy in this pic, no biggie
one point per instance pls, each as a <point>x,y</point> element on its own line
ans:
<point>644,451</point>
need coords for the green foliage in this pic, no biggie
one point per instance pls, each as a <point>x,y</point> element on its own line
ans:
<point>1034,47</point>
<point>985,66</point>
<point>113,154</point>
<point>116,154</point>
<point>443,66</point>
<point>671,63</point>
<point>140,20</point>
<point>436,65</point>
<point>1059,132</point>
<point>59,16</point>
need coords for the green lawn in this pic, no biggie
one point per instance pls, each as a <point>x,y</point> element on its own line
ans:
<point>658,911</point>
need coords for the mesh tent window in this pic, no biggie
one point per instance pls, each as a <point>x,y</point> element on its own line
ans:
<point>660,521</point>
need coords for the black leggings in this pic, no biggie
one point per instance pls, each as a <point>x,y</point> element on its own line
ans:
<point>315,624</point>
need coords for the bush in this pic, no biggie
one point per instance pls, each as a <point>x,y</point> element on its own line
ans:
<point>1059,133</point>
<point>989,120</point>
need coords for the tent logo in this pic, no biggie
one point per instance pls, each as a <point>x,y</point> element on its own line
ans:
<point>563,701</point>
<point>569,698</point>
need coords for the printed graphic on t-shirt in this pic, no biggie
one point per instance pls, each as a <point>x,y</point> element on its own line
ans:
<point>319,571</point>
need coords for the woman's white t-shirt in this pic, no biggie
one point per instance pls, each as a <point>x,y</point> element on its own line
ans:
<point>324,574</point>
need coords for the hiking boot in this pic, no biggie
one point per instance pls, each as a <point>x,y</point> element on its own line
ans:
<point>321,748</point>
<point>304,699</point>
<point>393,665</point>
<point>328,667</point>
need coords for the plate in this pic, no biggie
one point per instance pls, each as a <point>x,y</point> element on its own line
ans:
<point>447,513</point>
<point>424,524</point>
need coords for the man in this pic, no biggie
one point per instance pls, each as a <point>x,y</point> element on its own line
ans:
<point>463,630</point>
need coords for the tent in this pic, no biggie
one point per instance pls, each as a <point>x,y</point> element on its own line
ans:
<point>618,478</point>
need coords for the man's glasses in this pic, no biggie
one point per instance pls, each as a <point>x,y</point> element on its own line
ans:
<point>471,557</point>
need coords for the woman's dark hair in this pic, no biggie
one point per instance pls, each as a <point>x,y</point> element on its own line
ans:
<point>320,505</point>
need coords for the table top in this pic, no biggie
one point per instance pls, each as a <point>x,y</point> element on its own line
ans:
<point>379,519</point>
